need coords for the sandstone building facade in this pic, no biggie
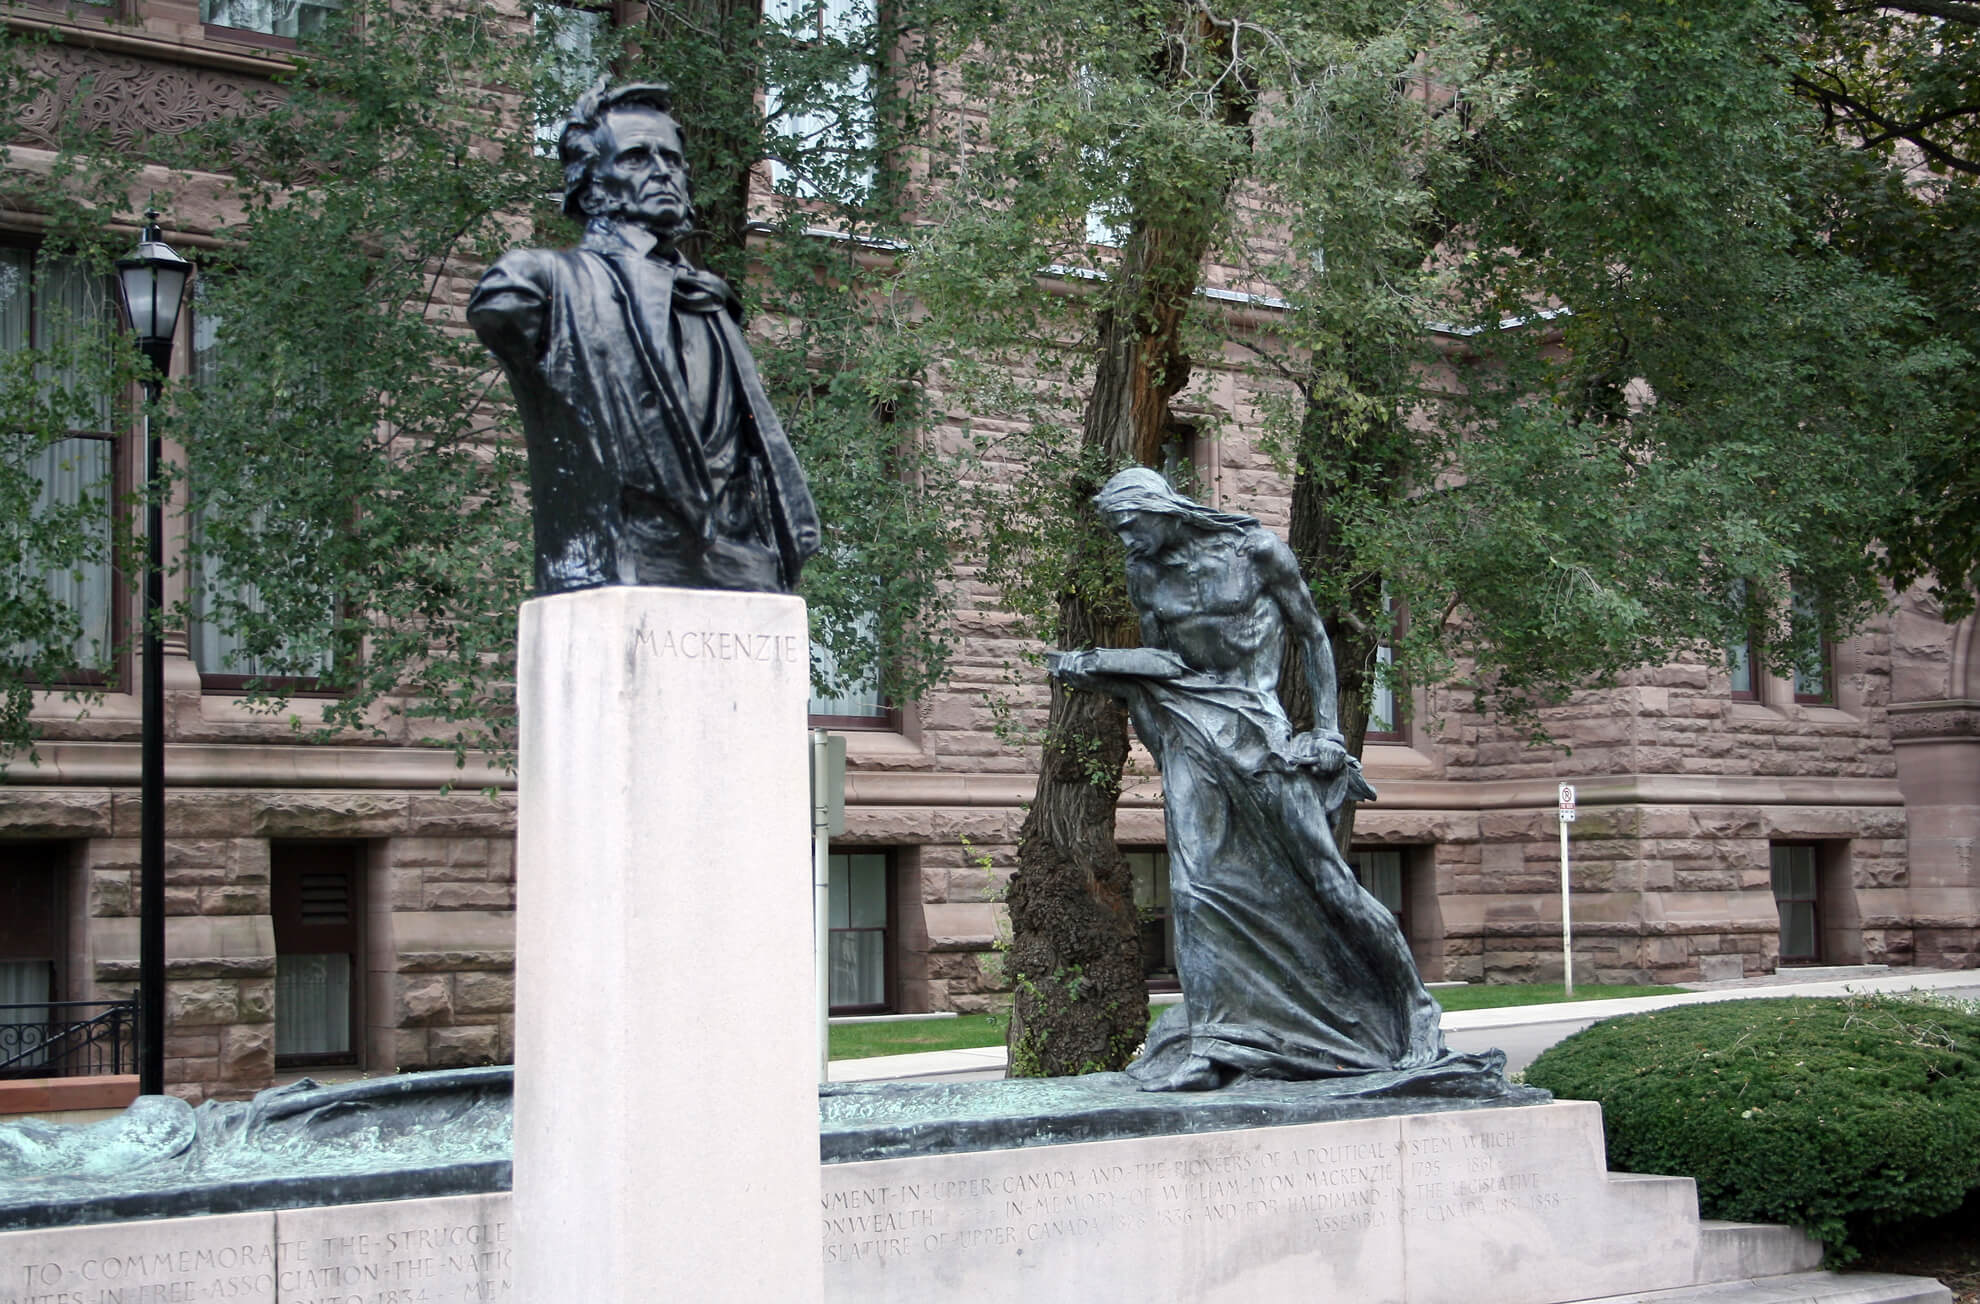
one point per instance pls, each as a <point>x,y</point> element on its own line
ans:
<point>352,905</point>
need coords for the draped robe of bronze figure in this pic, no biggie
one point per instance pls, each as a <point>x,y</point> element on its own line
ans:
<point>1289,969</point>
<point>655,457</point>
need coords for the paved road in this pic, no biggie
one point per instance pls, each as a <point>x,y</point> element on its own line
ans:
<point>1521,1031</point>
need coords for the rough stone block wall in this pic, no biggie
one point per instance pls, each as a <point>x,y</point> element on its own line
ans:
<point>451,981</point>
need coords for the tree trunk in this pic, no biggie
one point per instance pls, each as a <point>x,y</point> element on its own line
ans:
<point>1338,452</point>
<point>1080,1001</point>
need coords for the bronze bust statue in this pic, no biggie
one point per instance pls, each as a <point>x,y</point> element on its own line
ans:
<point>654,455</point>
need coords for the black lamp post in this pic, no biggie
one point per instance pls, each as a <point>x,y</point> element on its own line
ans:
<point>151,281</point>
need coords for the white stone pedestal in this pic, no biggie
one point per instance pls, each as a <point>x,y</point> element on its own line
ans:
<point>666,1047</point>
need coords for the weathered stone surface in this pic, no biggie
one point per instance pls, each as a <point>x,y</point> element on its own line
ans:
<point>55,813</point>
<point>192,1002</point>
<point>257,999</point>
<point>463,815</point>
<point>247,1054</point>
<point>111,892</point>
<point>454,961</point>
<point>425,1000</point>
<point>462,1046</point>
<point>465,896</point>
<point>482,993</point>
<point>233,900</point>
<point>192,814</point>
<point>328,814</point>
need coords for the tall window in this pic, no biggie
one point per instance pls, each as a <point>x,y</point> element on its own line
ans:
<point>1384,725</point>
<point>290,18</point>
<point>1744,684</point>
<point>318,908</point>
<point>63,308</point>
<point>574,42</point>
<point>1797,882</point>
<point>1158,924</point>
<point>1106,221</point>
<point>217,594</point>
<point>32,927</point>
<point>1814,670</point>
<point>822,108</point>
<point>858,910</point>
<point>1381,873</point>
<point>858,702</point>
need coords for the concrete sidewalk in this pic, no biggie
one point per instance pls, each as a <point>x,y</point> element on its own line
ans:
<point>1522,1031</point>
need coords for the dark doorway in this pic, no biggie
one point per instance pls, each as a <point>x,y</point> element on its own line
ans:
<point>319,914</point>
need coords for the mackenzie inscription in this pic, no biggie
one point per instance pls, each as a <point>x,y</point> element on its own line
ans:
<point>717,645</point>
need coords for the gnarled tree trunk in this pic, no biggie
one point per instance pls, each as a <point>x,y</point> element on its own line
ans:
<point>1080,1002</point>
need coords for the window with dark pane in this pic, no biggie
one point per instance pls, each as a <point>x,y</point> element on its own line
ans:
<point>1742,667</point>
<point>1381,874</point>
<point>1796,896</point>
<point>32,930</point>
<point>858,910</point>
<point>1158,923</point>
<point>318,916</point>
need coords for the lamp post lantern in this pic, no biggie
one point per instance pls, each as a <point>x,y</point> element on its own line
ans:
<point>151,282</point>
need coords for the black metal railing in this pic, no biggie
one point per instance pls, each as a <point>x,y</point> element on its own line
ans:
<point>68,1039</point>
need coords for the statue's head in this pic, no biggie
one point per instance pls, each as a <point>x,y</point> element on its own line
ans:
<point>1149,515</point>
<point>623,159</point>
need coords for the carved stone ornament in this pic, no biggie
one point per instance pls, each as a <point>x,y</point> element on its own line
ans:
<point>133,98</point>
<point>1929,721</point>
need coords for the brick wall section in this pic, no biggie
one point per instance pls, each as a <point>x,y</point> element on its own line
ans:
<point>450,992</point>
<point>441,894</point>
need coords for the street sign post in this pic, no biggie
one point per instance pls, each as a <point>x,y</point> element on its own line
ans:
<point>1567,926</point>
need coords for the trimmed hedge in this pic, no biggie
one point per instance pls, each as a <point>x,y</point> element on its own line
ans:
<point>1838,1116</point>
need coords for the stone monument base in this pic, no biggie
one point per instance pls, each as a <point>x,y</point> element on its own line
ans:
<point>663,947</point>
<point>1374,1202</point>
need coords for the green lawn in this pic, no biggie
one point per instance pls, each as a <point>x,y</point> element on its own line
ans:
<point>864,1040</point>
<point>1490,996</point>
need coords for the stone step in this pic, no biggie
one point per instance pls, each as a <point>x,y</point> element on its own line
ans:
<point>1831,973</point>
<point>1799,1288</point>
<point>1738,1251</point>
